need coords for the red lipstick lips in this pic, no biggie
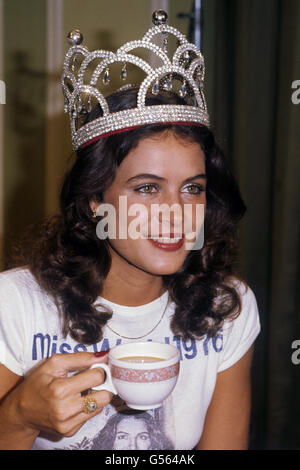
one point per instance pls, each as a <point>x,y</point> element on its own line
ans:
<point>166,245</point>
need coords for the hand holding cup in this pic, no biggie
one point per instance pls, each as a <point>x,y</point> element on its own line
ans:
<point>142,374</point>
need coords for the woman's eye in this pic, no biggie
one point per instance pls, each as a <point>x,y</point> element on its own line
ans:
<point>194,189</point>
<point>144,436</point>
<point>147,188</point>
<point>121,436</point>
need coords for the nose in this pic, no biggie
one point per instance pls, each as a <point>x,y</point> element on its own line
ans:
<point>169,214</point>
<point>131,444</point>
<point>172,197</point>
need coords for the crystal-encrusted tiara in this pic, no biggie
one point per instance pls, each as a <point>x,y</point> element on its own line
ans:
<point>82,93</point>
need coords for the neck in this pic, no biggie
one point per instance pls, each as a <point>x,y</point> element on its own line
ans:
<point>129,285</point>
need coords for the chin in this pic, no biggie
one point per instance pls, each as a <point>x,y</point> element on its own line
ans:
<point>157,264</point>
<point>162,268</point>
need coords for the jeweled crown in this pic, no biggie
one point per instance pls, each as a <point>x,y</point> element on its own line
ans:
<point>83,89</point>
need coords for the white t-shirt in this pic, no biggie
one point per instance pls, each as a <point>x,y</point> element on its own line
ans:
<point>30,331</point>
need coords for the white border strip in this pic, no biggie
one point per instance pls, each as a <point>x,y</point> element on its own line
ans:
<point>1,135</point>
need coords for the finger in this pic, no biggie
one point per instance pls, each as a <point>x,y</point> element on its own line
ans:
<point>102,397</point>
<point>66,408</point>
<point>74,407</point>
<point>78,418</point>
<point>84,380</point>
<point>59,364</point>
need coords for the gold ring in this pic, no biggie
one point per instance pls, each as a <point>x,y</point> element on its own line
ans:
<point>89,405</point>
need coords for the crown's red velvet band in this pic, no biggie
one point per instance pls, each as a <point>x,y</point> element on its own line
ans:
<point>125,129</point>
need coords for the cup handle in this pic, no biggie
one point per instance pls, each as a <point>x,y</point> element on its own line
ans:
<point>108,383</point>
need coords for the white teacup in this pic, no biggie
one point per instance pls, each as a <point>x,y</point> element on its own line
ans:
<point>142,374</point>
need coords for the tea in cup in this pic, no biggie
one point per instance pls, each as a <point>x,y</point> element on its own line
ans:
<point>142,374</point>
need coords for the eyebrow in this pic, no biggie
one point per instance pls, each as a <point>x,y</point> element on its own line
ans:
<point>159,178</point>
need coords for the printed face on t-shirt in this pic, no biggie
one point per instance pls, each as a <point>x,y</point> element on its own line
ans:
<point>128,438</point>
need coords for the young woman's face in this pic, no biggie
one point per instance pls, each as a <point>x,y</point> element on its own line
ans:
<point>161,170</point>
<point>127,438</point>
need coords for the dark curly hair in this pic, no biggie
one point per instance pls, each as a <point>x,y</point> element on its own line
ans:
<point>71,263</point>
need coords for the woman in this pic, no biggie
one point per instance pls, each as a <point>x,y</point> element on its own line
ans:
<point>52,303</point>
<point>88,282</point>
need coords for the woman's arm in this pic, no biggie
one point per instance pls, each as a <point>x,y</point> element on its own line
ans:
<point>12,434</point>
<point>48,399</point>
<point>9,380</point>
<point>226,424</point>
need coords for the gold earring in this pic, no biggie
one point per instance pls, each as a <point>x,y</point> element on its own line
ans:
<point>94,214</point>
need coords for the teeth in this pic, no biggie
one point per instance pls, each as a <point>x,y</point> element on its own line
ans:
<point>166,240</point>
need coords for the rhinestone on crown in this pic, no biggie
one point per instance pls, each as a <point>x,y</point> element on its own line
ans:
<point>186,66</point>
